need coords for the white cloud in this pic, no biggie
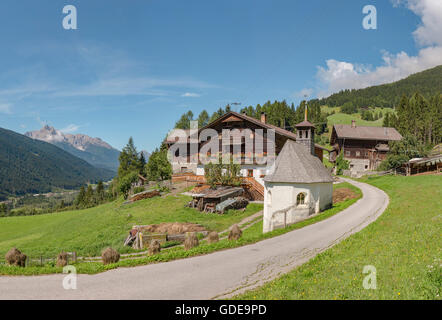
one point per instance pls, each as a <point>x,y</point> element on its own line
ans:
<point>191,95</point>
<point>5,108</point>
<point>339,75</point>
<point>430,31</point>
<point>70,128</point>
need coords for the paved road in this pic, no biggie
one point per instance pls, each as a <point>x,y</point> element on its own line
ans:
<point>217,275</point>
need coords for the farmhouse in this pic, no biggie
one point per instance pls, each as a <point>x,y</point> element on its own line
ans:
<point>364,147</point>
<point>248,130</point>
<point>299,186</point>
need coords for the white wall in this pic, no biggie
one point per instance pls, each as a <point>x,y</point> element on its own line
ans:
<point>284,195</point>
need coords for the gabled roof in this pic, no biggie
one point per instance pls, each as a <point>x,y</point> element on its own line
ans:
<point>366,133</point>
<point>304,124</point>
<point>295,164</point>
<point>245,117</point>
<point>257,122</point>
<point>278,130</point>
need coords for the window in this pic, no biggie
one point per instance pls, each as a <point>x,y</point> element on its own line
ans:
<point>300,134</point>
<point>300,199</point>
<point>358,153</point>
<point>306,134</point>
<point>250,173</point>
<point>269,198</point>
<point>347,153</point>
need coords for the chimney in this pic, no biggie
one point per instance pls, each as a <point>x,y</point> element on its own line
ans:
<point>353,123</point>
<point>263,117</point>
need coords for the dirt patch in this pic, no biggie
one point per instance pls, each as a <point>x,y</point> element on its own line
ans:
<point>343,194</point>
<point>200,188</point>
<point>173,228</point>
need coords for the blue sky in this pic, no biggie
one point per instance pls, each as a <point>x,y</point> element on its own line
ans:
<point>133,67</point>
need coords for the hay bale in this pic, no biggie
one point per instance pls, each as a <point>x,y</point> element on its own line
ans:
<point>235,233</point>
<point>110,255</point>
<point>154,247</point>
<point>191,241</point>
<point>15,258</point>
<point>213,237</point>
<point>62,259</point>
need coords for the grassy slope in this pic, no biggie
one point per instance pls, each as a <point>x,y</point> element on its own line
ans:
<point>89,231</point>
<point>404,244</point>
<point>251,235</point>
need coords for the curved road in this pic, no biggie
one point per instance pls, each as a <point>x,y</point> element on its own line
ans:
<point>217,275</point>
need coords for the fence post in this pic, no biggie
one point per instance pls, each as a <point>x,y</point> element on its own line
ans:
<point>41,261</point>
<point>74,256</point>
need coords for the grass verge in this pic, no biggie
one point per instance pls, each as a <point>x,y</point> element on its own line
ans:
<point>403,244</point>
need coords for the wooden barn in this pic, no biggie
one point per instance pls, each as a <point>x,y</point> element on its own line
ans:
<point>364,147</point>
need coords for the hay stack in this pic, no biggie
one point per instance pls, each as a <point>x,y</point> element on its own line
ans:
<point>191,241</point>
<point>62,259</point>
<point>235,233</point>
<point>213,237</point>
<point>154,247</point>
<point>15,258</point>
<point>110,255</point>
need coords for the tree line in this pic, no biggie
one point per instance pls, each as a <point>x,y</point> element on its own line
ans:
<point>279,113</point>
<point>428,83</point>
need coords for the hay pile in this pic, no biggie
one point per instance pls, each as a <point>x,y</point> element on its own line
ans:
<point>213,237</point>
<point>154,247</point>
<point>110,255</point>
<point>171,228</point>
<point>62,259</point>
<point>15,258</point>
<point>235,233</point>
<point>191,241</point>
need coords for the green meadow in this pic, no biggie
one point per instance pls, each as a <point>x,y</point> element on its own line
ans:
<point>219,222</point>
<point>89,231</point>
<point>404,245</point>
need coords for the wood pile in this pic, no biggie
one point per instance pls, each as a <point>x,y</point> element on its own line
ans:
<point>145,195</point>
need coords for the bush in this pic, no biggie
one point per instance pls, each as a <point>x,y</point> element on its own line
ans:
<point>138,190</point>
<point>341,164</point>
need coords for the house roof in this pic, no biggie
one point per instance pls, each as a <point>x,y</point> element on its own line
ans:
<point>304,124</point>
<point>296,164</point>
<point>366,133</point>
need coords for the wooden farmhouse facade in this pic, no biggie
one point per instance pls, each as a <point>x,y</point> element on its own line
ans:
<point>249,131</point>
<point>364,147</point>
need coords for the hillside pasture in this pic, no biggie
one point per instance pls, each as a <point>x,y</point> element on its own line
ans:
<point>88,231</point>
<point>403,244</point>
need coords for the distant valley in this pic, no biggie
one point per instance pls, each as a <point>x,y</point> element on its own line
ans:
<point>30,166</point>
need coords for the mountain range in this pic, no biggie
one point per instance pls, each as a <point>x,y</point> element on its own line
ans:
<point>33,166</point>
<point>428,83</point>
<point>93,150</point>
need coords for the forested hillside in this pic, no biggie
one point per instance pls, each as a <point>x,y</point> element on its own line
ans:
<point>32,166</point>
<point>428,83</point>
